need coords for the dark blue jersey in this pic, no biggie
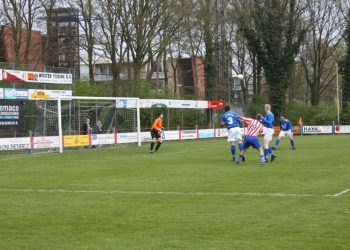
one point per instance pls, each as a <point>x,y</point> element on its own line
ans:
<point>268,120</point>
<point>230,119</point>
<point>286,125</point>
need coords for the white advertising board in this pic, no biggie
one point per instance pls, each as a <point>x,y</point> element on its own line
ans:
<point>171,135</point>
<point>202,104</point>
<point>46,142</point>
<point>188,104</point>
<point>181,104</point>
<point>38,77</point>
<point>127,137</point>
<point>343,129</point>
<point>206,133</point>
<point>101,139</point>
<point>317,129</point>
<point>188,134</point>
<point>221,132</point>
<point>146,136</point>
<point>18,143</point>
<point>147,103</point>
<point>126,104</point>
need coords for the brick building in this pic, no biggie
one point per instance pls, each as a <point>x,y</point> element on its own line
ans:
<point>8,53</point>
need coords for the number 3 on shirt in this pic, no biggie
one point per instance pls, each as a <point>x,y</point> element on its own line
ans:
<point>229,120</point>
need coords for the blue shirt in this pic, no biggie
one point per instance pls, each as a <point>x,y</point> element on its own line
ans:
<point>286,125</point>
<point>268,120</point>
<point>230,119</point>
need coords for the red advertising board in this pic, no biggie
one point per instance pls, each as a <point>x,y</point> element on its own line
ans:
<point>216,104</point>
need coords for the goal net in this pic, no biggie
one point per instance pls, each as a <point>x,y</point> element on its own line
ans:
<point>70,123</point>
<point>90,122</point>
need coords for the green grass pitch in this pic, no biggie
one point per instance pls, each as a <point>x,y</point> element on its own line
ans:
<point>187,196</point>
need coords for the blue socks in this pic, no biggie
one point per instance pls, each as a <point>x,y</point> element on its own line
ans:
<point>292,143</point>
<point>233,151</point>
<point>266,153</point>
<point>277,142</point>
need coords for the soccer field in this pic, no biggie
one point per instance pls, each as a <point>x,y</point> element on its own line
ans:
<point>187,196</point>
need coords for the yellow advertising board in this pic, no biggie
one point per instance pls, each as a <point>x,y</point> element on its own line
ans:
<point>76,140</point>
<point>39,95</point>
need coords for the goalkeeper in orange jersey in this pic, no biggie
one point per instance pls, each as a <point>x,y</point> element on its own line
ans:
<point>156,133</point>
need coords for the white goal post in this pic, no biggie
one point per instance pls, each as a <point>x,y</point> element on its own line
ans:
<point>126,102</point>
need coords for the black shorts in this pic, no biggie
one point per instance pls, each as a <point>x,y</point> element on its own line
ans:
<point>155,134</point>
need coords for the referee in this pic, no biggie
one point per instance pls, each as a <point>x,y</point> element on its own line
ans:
<point>156,132</point>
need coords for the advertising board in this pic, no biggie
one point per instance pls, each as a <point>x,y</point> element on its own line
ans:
<point>11,114</point>
<point>76,140</point>
<point>38,77</point>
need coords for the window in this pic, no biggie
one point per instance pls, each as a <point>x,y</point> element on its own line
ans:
<point>61,58</point>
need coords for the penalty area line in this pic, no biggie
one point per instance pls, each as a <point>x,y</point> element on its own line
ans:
<point>7,190</point>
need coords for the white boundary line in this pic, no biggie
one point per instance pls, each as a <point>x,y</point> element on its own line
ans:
<point>4,190</point>
<point>342,192</point>
<point>53,153</point>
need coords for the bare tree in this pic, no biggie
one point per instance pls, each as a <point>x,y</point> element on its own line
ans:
<point>13,17</point>
<point>317,55</point>
<point>88,25</point>
<point>19,17</point>
<point>48,6</point>
<point>28,19</point>
<point>111,38</point>
<point>142,21</point>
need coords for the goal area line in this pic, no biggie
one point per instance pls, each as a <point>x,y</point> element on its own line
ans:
<point>111,192</point>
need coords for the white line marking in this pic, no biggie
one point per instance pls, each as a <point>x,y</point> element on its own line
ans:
<point>342,192</point>
<point>167,193</point>
<point>145,154</point>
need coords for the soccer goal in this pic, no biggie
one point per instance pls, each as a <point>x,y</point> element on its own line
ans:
<point>91,122</point>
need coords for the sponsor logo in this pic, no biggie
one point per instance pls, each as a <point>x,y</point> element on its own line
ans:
<point>12,94</point>
<point>312,129</point>
<point>17,146</point>
<point>39,95</point>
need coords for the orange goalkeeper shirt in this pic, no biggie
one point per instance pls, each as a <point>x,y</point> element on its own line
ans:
<point>157,124</point>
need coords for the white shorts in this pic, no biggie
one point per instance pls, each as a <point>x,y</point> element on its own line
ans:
<point>268,134</point>
<point>285,133</point>
<point>234,134</point>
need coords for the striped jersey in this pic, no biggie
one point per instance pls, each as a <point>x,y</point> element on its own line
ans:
<point>254,126</point>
